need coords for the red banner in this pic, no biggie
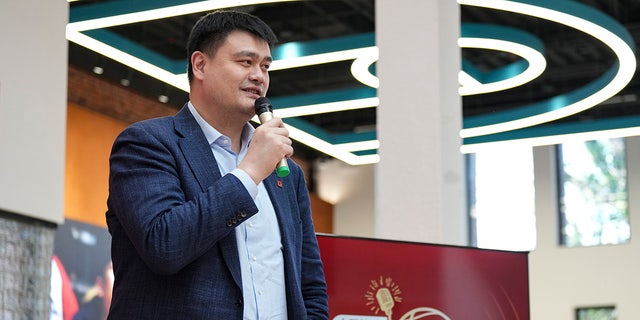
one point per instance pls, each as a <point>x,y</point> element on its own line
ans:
<point>371,279</point>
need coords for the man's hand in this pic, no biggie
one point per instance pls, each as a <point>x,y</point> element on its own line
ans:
<point>269,144</point>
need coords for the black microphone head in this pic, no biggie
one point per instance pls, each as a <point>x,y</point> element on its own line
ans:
<point>262,105</point>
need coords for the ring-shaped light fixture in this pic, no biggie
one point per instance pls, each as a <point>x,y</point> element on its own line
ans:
<point>557,133</point>
<point>361,65</point>
<point>579,17</point>
<point>87,28</point>
<point>499,38</point>
<point>87,24</point>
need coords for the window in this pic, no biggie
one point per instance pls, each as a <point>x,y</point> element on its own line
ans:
<point>596,313</point>
<point>593,193</point>
<point>502,198</point>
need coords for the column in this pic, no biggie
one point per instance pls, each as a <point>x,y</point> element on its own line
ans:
<point>420,181</point>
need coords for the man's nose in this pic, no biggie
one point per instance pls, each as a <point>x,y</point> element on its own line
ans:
<point>257,75</point>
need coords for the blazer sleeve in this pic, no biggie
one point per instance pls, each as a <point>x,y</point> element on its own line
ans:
<point>155,197</point>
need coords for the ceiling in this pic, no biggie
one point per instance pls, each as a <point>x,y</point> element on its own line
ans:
<point>574,59</point>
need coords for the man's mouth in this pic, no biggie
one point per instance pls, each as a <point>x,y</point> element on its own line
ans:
<point>254,91</point>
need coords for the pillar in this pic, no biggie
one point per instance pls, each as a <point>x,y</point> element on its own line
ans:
<point>419,181</point>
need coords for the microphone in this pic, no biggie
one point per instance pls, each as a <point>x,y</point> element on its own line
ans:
<point>264,111</point>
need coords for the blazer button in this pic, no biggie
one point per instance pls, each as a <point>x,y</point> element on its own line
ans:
<point>243,214</point>
<point>229,223</point>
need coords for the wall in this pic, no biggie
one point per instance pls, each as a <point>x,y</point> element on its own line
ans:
<point>89,139</point>
<point>563,279</point>
<point>350,189</point>
<point>32,129</point>
<point>25,267</point>
<point>418,123</point>
<point>32,107</point>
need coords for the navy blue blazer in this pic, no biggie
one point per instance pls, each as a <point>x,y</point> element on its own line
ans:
<point>172,218</point>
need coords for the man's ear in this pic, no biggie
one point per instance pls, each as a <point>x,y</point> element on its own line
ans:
<point>198,61</point>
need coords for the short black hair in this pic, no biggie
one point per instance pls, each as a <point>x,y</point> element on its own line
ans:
<point>212,29</point>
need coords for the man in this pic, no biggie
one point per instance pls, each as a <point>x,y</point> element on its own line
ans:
<point>201,226</point>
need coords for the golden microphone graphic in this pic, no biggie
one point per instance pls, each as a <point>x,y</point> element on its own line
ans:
<point>385,300</point>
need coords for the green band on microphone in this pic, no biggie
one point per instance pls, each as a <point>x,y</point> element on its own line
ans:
<point>283,171</point>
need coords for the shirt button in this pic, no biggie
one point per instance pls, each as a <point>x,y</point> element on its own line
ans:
<point>250,224</point>
<point>260,292</point>
<point>255,258</point>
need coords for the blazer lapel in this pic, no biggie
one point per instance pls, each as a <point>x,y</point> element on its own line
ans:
<point>197,153</point>
<point>196,149</point>
<point>280,194</point>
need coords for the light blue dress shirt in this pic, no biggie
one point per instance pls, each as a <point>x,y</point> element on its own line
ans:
<point>259,243</point>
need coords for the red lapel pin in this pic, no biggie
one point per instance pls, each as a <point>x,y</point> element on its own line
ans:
<point>279,183</point>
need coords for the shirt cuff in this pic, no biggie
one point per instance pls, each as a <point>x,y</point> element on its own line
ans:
<point>248,183</point>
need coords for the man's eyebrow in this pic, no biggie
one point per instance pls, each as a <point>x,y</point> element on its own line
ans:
<point>253,55</point>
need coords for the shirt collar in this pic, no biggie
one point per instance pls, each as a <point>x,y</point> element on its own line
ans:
<point>212,134</point>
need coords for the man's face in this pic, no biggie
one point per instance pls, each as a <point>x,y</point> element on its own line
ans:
<point>237,75</point>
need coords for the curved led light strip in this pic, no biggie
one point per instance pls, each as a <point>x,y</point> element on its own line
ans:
<point>336,151</point>
<point>555,12</point>
<point>74,34</point>
<point>363,59</point>
<point>161,12</point>
<point>561,133</point>
<point>523,45</point>
<point>177,80</point>
<point>314,59</point>
<point>360,67</point>
<point>319,108</point>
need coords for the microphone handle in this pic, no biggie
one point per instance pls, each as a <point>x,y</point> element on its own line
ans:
<point>282,168</point>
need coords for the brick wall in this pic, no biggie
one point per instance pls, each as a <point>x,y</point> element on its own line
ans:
<point>26,246</point>
<point>118,102</point>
